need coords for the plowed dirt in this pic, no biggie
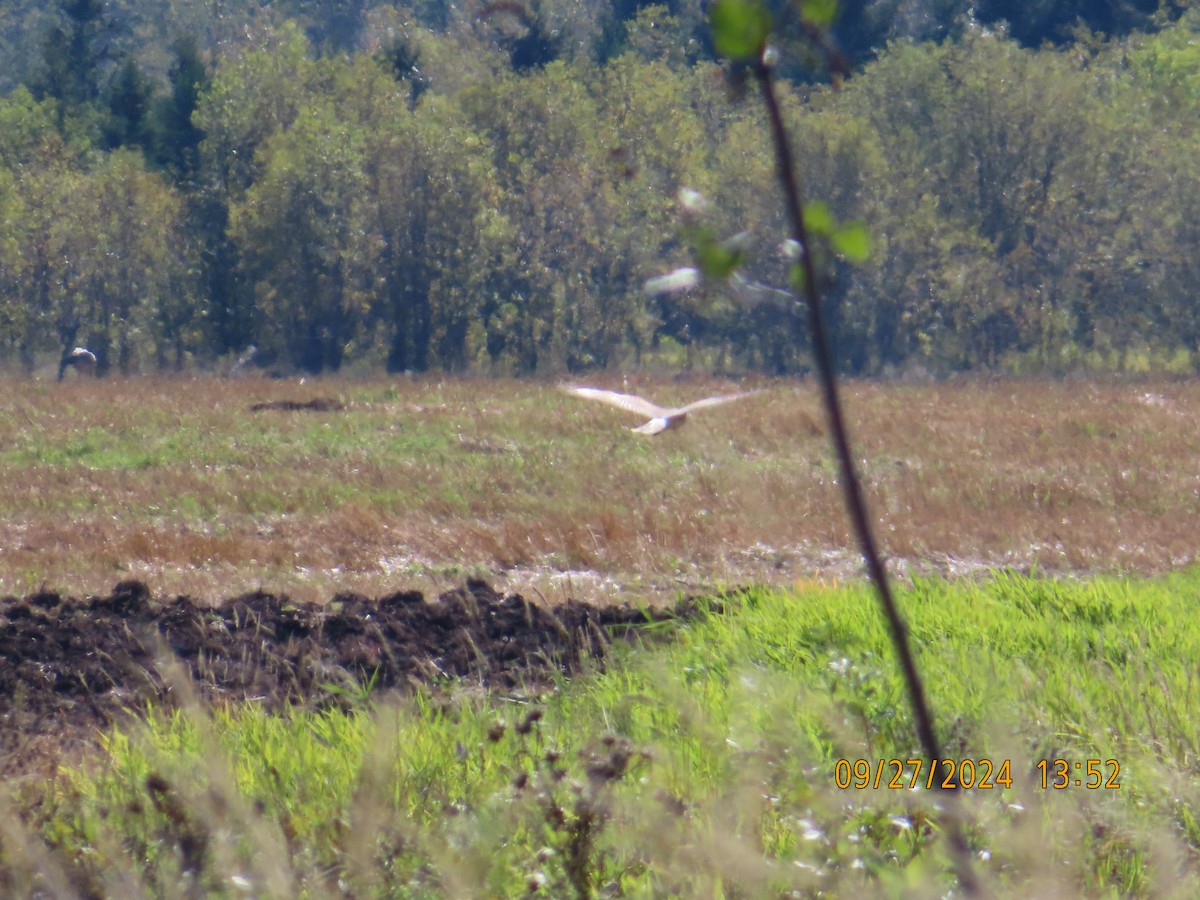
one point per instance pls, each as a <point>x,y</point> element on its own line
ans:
<point>69,667</point>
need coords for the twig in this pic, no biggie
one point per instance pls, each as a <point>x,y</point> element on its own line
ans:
<point>851,485</point>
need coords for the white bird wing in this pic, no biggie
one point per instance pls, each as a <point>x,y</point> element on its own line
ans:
<point>628,402</point>
<point>741,242</point>
<point>713,401</point>
<point>755,293</point>
<point>656,425</point>
<point>673,282</point>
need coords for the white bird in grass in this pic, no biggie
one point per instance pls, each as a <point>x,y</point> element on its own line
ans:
<point>661,418</point>
<point>81,359</point>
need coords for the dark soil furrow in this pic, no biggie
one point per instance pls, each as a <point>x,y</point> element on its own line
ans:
<point>69,668</point>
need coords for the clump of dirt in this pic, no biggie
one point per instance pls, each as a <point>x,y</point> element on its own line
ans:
<point>317,404</point>
<point>69,668</point>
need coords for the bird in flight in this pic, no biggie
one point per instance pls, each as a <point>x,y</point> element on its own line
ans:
<point>661,418</point>
<point>750,293</point>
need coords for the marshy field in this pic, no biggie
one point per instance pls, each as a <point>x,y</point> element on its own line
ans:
<point>457,638</point>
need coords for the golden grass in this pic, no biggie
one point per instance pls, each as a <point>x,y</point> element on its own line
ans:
<point>177,482</point>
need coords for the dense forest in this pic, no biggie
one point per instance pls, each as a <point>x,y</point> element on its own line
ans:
<point>320,184</point>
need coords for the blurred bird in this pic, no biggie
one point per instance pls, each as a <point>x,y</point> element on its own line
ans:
<point>673,282</point>
<point>748,292</point>
<point>81,359</point>
<point>755,293</point>
<point>242,365</point>
<point>720,271</point>
<point>661,418</point>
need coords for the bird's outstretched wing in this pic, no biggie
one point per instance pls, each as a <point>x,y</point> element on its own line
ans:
<point>655,426</point>
<point>714,401</point>
<point>673,282</point>
<point>628,402</point>
<point>755,293</point>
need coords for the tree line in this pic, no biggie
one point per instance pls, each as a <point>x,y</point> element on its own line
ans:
<point>461,195</point>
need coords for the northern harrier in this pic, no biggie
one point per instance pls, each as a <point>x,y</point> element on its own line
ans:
<point>749,293</point>
<point>661,418</point>
<point>81,359</point>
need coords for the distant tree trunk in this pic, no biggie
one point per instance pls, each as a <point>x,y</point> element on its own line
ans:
<point>452,348</point>
<point>398,356</point>
<point>68,336</point>
<point>422,330</point>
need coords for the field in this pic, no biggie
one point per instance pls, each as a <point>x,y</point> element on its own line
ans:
<point>181,484</point>
<point>330,733</point>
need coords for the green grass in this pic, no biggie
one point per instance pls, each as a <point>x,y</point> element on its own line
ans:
<point>699,766</point>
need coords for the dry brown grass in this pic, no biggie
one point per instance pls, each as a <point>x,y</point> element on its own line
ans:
<point>177,482</point>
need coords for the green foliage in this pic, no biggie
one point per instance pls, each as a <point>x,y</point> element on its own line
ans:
<point>300,235</point>
<point>717,259</point>
<point>176,137</point>
<point>740,28</point>
<point>853,241</point>
<point>819,13</point>
<point>72,50</point>
<point>252,97</point>
<point>340,210</point>
<point>27,130</point>
<point>128,101</point>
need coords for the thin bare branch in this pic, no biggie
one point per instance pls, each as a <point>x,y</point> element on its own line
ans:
<point>851,485</point>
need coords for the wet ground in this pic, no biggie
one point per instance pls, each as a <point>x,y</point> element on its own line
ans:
<point>71,667</point>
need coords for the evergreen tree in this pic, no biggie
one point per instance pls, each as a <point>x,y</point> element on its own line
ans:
<point>73,51</point>
<point>1041,21</point>
<point>130,97</point>
<point>403,57</point>
<point>522,34</point>
<point>176,139</point>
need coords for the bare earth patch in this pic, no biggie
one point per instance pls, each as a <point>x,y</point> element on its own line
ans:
<point>72,666</point>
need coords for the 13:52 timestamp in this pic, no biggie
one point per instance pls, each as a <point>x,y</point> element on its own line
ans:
<point>1093,774</point>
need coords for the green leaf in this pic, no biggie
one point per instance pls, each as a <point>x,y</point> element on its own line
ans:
<point>818,12</point>
<point>817,218</point>
<point>796,279</point>
<point>740,28</point>
<point>717,260</point>
<point>852,240</point>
